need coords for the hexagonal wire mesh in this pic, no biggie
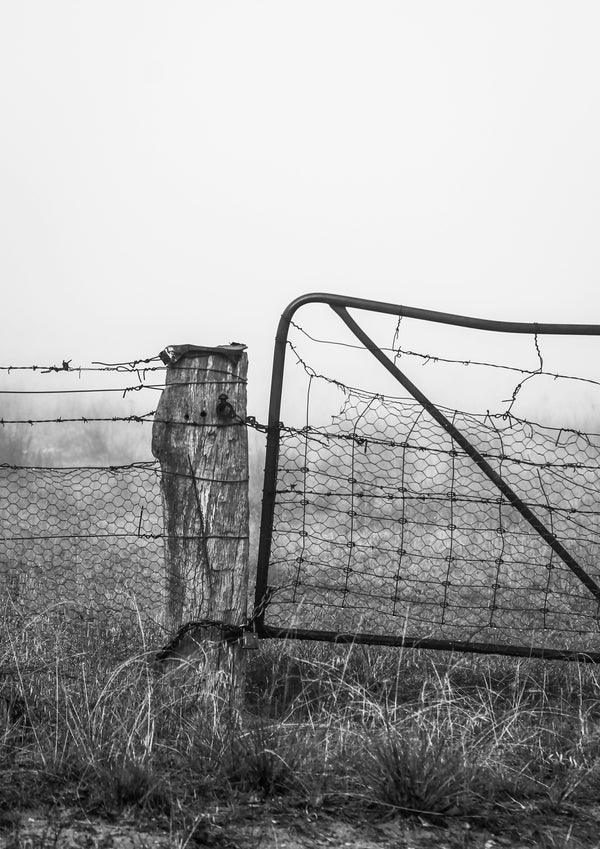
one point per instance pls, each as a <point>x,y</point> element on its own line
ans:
<point>80,539</point>
<point>88,541</point>
<point>82,527</point>
<point>383,525</point>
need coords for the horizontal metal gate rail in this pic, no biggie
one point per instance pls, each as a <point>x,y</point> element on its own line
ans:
<point>339,305</point>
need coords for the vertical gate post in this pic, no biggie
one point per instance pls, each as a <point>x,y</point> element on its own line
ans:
<point>200,439</point>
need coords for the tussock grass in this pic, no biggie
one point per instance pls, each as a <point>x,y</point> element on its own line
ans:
<point>86,720</point>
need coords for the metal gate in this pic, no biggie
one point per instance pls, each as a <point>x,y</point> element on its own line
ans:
<point>405,522</point>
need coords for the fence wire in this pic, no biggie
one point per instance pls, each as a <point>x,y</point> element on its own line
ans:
<point>86,541</point>
<point>384,525</point>
<point>82,533</point>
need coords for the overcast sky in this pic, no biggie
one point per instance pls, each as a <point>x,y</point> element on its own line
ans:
<point>179,171</point>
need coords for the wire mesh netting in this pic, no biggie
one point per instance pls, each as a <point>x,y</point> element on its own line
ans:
<point>89,540</point>
<point>82,514</point>
<point>384,525</point>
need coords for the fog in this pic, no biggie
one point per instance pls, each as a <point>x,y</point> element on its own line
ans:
<point>179,172</point>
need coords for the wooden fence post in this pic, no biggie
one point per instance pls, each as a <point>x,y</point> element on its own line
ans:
<point>199,437</point>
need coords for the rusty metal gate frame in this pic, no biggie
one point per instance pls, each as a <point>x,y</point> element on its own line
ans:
<point>339,304</point>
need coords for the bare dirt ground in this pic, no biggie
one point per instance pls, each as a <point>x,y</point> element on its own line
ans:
<point>271,827</point>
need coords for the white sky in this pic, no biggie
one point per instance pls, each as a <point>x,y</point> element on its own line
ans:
<point>179,171</point>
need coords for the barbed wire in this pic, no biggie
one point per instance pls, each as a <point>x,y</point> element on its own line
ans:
<point>140,419</point>
<point>505,415</point>
<point>144,418</point>
<point>119,368</point>
<point>433,359</point>
<point>133,366</point>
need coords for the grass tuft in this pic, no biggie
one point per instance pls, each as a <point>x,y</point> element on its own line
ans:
<point>416,772</point>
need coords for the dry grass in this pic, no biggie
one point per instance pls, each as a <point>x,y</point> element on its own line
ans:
<point>86,721</point>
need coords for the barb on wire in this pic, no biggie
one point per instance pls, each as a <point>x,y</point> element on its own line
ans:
<point>66,366</point>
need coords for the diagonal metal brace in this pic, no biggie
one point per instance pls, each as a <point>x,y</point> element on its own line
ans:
<point>471,451</point>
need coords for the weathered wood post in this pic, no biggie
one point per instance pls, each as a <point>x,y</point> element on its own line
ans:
<point>200,439</point>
